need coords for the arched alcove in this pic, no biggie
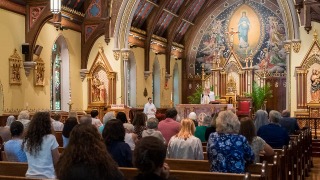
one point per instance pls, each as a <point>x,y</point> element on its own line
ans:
<point>132,89</point>
<point>175,90</point>
<point>60,75</point>
<point>156,82</point>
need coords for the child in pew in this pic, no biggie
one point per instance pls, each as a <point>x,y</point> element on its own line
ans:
<point>13,148</point>
<point>86,157</point>
<point>149,156</point>
<point>41,147</point>
<point>185,145</point>
<point>257,144</point>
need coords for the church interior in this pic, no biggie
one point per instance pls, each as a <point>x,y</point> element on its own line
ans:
<point>112,55</point>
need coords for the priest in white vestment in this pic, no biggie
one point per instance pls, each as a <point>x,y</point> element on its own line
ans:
<point>150,109</point>
<point>207,96</point>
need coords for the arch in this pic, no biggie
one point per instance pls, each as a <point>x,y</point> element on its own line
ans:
<point>60,75</point>
<point>132,81</point>
<point>156,82</point>
<point>176,85</point>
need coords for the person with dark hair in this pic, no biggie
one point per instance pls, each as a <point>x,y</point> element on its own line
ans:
<point>122,117</point>
<point>139,124</point>
<point>57,125</point>
<point>113,135</point>
<point>212,127</point>
<point>150,109</point>
<point>41,147</point>
<point>86,157</point>
<point>95,121</point>
<point>70,123</point>
<point>290,124</point>
<point>13,148</point>
<point>169,127</point>
<point>149,156</point>
<point>275,135</point>
<point>257,144</point>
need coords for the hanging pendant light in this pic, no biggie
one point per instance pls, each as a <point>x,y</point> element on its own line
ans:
<point>55,6</point>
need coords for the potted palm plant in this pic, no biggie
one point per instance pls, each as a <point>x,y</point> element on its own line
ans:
<point>260,94</point>
<point>195,98</point>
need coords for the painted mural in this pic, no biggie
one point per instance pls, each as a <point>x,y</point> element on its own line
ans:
<point>251,30</point>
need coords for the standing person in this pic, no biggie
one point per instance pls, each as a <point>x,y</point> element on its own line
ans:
<point>41,147</point>
<point>169,127</point>
<point>185,145</point>
<point>86,157</point>
<point>95,121</point>
<point>150,109</point>
<point>13,148</point>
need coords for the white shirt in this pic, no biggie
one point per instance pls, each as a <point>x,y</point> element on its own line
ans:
<point>41,165</point>
<point>205,99</point>
<point>211,96</point>
<point>148,110</point>
<point>57,125</point>
<point>128,139</point>
<point>190,148</point>
<point>96,122</point>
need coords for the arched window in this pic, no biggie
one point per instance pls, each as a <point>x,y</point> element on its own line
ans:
<point>132,84</point>
<point>60,83</point>
<point>176,94</point>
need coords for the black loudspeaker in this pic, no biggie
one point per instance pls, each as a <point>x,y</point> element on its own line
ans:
<point>25,48</point>
<point>37,50</point>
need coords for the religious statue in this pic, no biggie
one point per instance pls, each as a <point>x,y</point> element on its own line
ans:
<point>96,88</point>
<point>102,92</point>
<point>243,28</point>
<point>315,85</point>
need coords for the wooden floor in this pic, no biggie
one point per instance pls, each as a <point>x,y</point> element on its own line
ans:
<point>315,171</point>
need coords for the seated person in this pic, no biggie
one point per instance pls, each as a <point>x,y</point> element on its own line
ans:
<point>185,145</point>
<point>201,130</point>
<point>290,124</point>
<point>149,157</point>
<point>57,124</point>
<point>13,147</point>
<point>113,134</point>
<point>275,135</point>
<point>70,123</point>
<point>152,129</point>
<point>228,151</point>
<point>86,157</point>
<point>257,144</point>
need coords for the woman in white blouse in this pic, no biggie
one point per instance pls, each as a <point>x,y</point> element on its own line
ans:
<point>185,145</point>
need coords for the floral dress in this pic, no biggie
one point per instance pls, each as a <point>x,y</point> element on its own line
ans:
<point>228,153</point>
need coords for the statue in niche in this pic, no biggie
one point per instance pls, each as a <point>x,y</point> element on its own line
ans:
<point>315,85</point>
<point>102,90</point>
<point>15,73</point>
<point>96,88</point>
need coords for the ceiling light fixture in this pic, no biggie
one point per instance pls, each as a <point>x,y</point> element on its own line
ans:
<point>55,6</point>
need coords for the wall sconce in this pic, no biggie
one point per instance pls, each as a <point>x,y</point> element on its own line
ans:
<point>55,6</point>
<point>125,54</point>
<point>116,54</point>
<point>146,74</point>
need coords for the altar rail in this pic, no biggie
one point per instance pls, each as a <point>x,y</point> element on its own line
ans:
<point>312,122</point>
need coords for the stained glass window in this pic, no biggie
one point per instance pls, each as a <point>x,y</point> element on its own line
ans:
<point>56,79</point>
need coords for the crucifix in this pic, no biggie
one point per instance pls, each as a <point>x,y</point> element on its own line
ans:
<point>231,34</point>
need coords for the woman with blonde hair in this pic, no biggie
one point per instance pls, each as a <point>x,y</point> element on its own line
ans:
<point>185,145</point>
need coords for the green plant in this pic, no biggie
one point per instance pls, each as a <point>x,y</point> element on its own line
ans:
<point>260,94</point>
<point>195,98</point>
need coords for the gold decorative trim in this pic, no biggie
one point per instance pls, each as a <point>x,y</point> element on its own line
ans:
<point>296,45</point>
<point>39,72</point>
<point>72,11</point>
<point>15,64</point>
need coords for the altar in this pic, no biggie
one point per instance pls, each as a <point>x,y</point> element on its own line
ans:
<point>202,110</point>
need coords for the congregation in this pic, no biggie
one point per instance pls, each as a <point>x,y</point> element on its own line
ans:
<point>95,150</point>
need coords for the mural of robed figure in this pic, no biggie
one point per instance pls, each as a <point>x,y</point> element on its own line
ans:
<point>243,29</point>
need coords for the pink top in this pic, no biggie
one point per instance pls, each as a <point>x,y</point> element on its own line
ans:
<point>169,127</point>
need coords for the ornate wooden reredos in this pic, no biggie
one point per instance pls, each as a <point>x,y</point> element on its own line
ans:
<point>308,76</point>
<point>101,82</point>
<point>231,77</point>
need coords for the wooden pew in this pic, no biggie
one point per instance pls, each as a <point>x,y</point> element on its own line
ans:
<point>191,175</point>
<point>273,165</point>
<point>13,168</point>
<point>58,135</point>
<point>15,177</point>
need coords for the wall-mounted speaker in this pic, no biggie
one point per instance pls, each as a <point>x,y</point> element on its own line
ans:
<point>37,50</point>
<point>25,48</point>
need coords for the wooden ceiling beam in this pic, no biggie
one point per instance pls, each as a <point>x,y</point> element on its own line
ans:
<point>151,24</point>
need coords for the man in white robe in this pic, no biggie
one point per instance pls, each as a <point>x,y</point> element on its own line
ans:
<point>150,109</point>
